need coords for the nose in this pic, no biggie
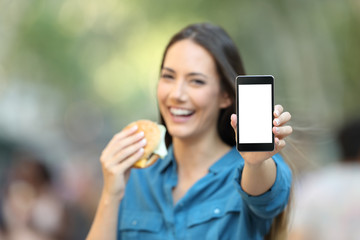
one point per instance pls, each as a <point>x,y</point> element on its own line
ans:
<point>178,91</point>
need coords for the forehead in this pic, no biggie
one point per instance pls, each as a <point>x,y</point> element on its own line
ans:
<point>186,55</point>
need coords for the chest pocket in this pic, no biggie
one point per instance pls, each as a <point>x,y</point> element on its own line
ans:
<point>140,225</point>
<point>204,214</point>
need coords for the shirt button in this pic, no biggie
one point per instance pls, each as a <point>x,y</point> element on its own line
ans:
<point>216,211</point>
<point>134,222</point>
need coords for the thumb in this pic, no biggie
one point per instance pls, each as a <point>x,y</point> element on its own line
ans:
<point>233,121</point>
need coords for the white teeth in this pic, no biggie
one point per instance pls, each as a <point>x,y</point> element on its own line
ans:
<point>180,111</point>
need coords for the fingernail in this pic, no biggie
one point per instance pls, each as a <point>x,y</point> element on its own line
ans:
<point>133,128</point>
<point>277,121</point>
<point>276,113</point>
<point>141,134</point>
<point>143,142</point>
<point>277,130</point>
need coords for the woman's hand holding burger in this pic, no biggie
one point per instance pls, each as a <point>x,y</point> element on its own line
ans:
<point>138,145</point>
<point>121,153</point>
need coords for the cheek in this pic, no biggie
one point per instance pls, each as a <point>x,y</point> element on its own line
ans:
<point>161,93</point>
<point>207,99</point>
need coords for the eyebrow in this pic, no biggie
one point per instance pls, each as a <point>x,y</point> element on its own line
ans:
<point>169,69</point>
<point>189,74</point>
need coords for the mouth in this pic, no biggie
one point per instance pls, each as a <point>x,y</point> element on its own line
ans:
<point>181,112</point>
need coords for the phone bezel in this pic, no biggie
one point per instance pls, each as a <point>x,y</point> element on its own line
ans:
<point>255,79</point>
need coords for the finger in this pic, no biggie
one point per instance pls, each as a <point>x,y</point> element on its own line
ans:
<point>279,144</point>
<point>125,165</point>
<point>282,119</point>
<point>127,152</point>
<point>119,136</point>
<point>123,143</point>
<point>125,133</point>
<point>278,110</point>
<point>120,144</point>
<point>233,121</point>
<point>282,132</point>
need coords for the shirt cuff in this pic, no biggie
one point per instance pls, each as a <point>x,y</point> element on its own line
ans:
<point>272,202</point>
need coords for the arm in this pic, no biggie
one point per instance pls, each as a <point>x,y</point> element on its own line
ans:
<point>259,171</point>
<point>259,211</point>
<point>117,159</point>
<point>104,225</point>
<point>258,178</point>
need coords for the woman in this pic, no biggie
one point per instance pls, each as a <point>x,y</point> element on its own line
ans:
<point>203,188</point>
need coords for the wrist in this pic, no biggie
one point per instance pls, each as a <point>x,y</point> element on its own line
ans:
<point>108,198</point>
<point>257,165</point>
<point>258,178</point>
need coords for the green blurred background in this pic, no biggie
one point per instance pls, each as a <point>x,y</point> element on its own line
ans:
<point>73,73</point>
<point>78,71</point>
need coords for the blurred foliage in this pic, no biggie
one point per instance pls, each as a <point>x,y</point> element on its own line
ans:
<point>100,59</point>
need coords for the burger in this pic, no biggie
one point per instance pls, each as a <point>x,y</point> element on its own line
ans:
<point>155,142</point>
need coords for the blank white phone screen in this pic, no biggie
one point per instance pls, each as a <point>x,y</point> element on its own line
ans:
<point>255,113</point>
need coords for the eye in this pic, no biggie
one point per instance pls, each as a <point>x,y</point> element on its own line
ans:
<point>167,76</point>
<point>197,82</point>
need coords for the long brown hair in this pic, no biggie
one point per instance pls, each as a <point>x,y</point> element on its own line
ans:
<point>229,65</point>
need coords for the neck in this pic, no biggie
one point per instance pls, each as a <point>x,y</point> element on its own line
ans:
<point>194,158</point>
<point>196,155</point>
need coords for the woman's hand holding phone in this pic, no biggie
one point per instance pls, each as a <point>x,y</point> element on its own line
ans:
<point>280,130</point>
<point>259,172</point>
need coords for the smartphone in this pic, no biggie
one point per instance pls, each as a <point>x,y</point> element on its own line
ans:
<point>254,109</point>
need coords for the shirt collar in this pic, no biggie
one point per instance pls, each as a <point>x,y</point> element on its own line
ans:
<point>167,160</point>
<point>228,160</point>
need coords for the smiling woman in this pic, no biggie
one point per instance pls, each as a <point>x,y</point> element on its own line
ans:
<point>188,80</point>
<point>204,188</point>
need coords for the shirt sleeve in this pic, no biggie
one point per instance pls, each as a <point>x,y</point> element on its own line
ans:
<point>269,204</point>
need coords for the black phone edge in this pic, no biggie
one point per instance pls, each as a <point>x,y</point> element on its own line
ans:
<point>254,147</point>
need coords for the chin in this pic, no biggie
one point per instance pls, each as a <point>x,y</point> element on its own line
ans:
<point>179,132</point>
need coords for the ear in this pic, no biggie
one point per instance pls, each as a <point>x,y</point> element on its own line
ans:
<point>225,101</point>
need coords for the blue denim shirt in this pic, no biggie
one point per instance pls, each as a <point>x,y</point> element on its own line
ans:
<point>215,207</point>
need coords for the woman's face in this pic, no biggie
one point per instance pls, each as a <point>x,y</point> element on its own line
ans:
<point>189,93</point>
